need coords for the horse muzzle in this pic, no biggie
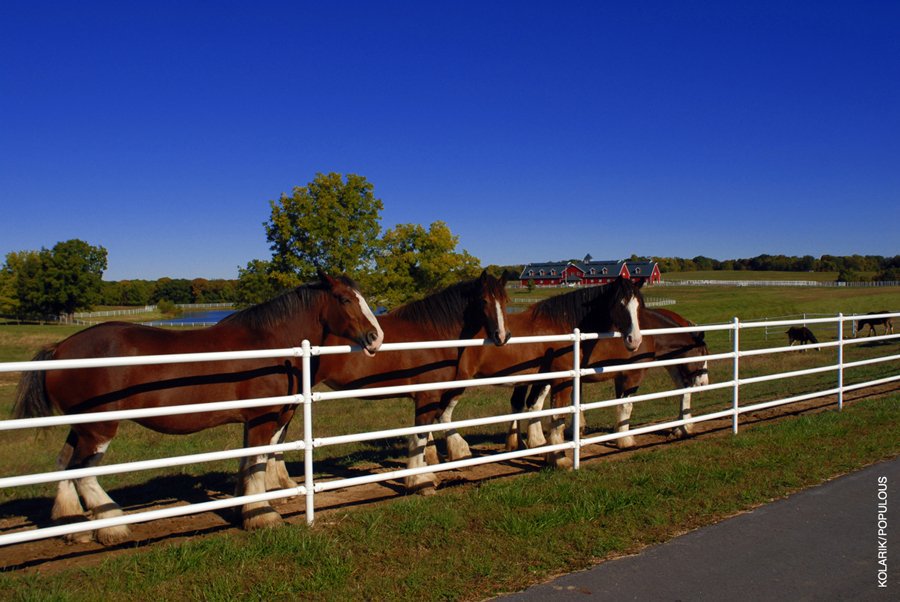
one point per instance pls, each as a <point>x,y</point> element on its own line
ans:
<point>632,342</point>
<point>371,342</point>
<point>499,339</point>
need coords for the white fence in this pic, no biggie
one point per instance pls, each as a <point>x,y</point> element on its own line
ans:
<point>307,399</point>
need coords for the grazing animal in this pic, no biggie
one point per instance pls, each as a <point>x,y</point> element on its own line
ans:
<point>888,323</point>
<point>802,335</point>
<point>605,353</point>
<point>617,306</point>
<point>470,309</point>
<point>332,306</point>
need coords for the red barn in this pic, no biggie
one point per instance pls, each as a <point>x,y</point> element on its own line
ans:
<point>587,273</point>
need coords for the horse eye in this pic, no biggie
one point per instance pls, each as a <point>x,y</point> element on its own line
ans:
<point>345,301</point>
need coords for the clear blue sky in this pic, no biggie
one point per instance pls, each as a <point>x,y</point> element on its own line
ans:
<point>537,130</point>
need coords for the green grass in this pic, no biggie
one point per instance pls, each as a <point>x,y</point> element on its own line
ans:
<point>756,275</point>
<point>474,542</point>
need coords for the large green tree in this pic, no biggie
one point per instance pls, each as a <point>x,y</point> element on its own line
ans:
<point>55,281</point>
<point>332,223</point>
<point>414,261</point>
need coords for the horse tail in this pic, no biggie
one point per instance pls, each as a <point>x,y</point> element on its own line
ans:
<point>31,394</point>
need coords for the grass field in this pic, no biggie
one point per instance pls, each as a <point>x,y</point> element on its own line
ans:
<point>754,275</point>
<point>609,508</point>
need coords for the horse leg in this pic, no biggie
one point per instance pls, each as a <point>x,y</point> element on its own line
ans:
<point>252,478</point>
<point>88,445</point>
<point>685,430</point>
<point>535,427</point>
<point>623,413</point>
<point>557,459</point>
<point>277,476</point>
<point>457,448</point>
<point>516,405</point>
<point>427,409</point>
<point>67,507</point>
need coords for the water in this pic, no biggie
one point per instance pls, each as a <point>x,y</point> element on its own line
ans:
<point>198,318</point>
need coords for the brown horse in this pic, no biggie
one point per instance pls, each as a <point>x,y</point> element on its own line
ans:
<point>617,306</point>
<point>470,309</point>
<point>605,353</point>
<point>802,335</point>
<point>332,306</point>
<point>888,323</point>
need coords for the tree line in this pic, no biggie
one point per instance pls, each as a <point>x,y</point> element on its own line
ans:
<point>848,267</point>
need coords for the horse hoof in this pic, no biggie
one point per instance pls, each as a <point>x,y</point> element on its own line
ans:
<point>625,442</point>
<point>682,432</point>
<point>81,537</point>
<point>262,519</point>
<point>423,484</point>
<point>110,536</point>
<point>559,461</point>
<point>458,450</point>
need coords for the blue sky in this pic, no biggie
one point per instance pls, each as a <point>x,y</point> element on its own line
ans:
<point>537,130</point>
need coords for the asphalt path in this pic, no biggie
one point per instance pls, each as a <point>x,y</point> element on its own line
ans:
<point>822,543</point>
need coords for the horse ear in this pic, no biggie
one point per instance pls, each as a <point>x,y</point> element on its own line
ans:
<point>325,278</point>
<point>506,277</point>
<point>484,276</point>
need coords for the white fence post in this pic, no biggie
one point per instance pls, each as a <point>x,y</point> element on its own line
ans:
<point>840,358</point>
<point>576,400</point>
<point>308,433</point>
<point>737,388</point>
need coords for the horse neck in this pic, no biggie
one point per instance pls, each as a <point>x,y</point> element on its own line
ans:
<point>674,342</point>
<point>287,329</point>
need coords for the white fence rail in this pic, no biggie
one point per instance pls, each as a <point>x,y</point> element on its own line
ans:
<point>307,399</point>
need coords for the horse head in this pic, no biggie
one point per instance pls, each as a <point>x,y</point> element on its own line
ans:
<point>625,305</point>
<point>348,315</point>
<point>493,300</point>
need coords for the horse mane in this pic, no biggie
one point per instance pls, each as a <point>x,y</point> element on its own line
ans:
<point>443,311</point>
<point>570,309</point>
<point>271,313</point>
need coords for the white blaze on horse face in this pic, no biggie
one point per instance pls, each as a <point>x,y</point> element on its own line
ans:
<point>501,325</point>
<point>364,307</point>
<point>632,306</point>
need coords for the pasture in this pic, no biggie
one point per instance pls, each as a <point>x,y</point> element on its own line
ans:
<point>463,536</point>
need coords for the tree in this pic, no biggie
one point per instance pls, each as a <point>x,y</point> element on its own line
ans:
<point>259,282</point>
<point>332,223</point>
<point>72,276</point>
<point>414,262</point>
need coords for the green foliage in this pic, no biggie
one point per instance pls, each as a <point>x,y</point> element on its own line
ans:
<point>782,263</point>
<point>414,261</point>
<point>332,223</point>
<point>260,281</point>
<point>54,281</point>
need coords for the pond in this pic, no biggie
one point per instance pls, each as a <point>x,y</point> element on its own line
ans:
<point>197,318</point>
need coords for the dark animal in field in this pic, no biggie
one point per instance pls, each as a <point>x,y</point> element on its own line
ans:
<point>330,307</point>
<point>888,323</point>
<point>802,335</point>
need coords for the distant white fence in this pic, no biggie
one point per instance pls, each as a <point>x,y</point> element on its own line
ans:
<point>811,283</point>
<point>307,399</point>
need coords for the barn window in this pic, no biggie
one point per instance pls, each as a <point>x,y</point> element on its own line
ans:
<point>593,270</point>
<point>553,272</point>
<point>531,272</point>
<point>541,272</point>
<point>605,271</point>
<point>637,270</point>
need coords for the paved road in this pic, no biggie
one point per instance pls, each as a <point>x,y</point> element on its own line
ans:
<point>819,544</point>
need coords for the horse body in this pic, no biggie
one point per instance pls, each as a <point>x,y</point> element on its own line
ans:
<point>612,307</point>
<point>470,309</point>
<point>309,312</point>
<point>888,323</point>
<point>802,335</point>
<point>608,352</point>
